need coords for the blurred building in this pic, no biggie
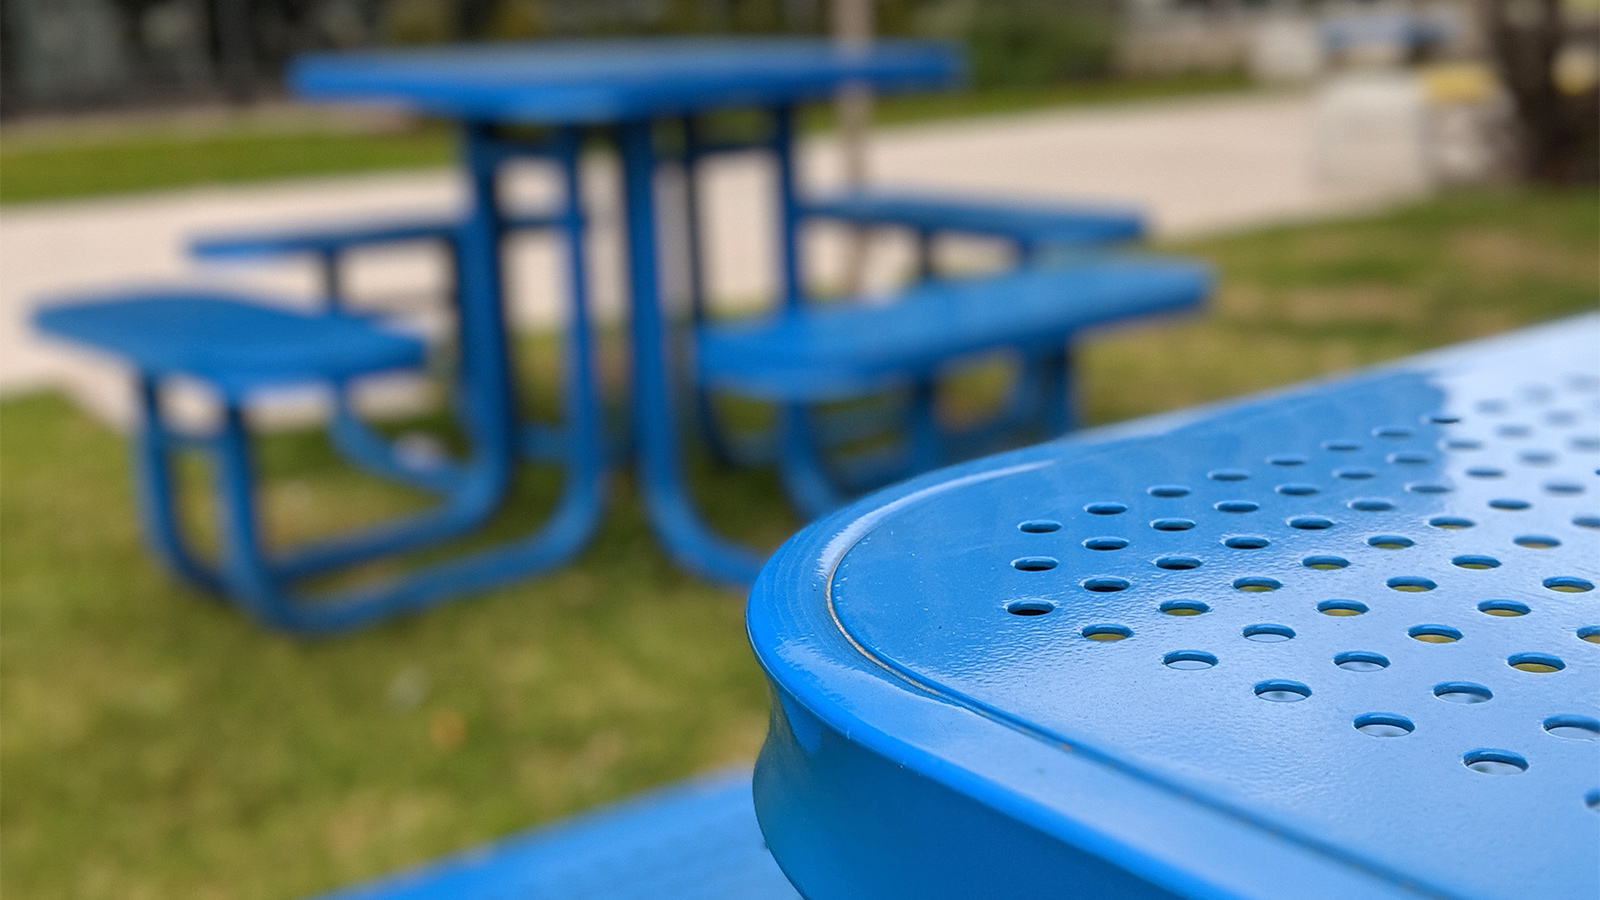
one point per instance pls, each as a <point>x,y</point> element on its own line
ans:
<point>73,54</point>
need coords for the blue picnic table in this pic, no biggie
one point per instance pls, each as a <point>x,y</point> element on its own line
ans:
<point>625,86</point>
<point>1339,641</point>
<point>1336,641</point>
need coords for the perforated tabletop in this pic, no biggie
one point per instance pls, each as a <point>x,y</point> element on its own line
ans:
<point>1341,641</point>
<point>569,82</point>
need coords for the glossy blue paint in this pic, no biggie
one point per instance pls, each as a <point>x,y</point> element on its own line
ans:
<point>1032,224</point>
<point>998,680</point>
<point>692,841</point>
<point>848,349</point>
<point>604,82</point>
<point>624,86</point>
<point>185,335</point>
<point>238,344</point>
<point>339,237</point>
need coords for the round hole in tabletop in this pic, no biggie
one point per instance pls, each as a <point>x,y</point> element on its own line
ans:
<point>1039,526</point>
<point>1172,524</point>
<point>1569,584</point>
<point>1486,472</point>
<point>1590,633</point>
<point>1325,563</point>
<point>1105,509</point>
<point>1384,725</point>
<point>1256,584</point>
<point>1184,608</point>
<point>1286,459</point>
<point>1354,474</point>
<point>1296,489</point>
<point>1168,490</point>
<point>1107,633</point>
<point>1451,523</point>
<point>1510,504</point>
<point>1310,523</point>
<point>1106,584</point>
<point>1412,584</point>
<point>1266,633</point>
<point>1341,607</point>
<point>1031,607</point>
<point>1237,506</point>
<point>1343,446</point>
<point>1505,609</point>
<point>1106,543</point>
<point>1434,634</point>
<point>1227,474</point>
<point>1245,542</point>
<point>1428,487</point>
<point>1537,541</point>
<point>1410,458</point>
<point>1392,431</point>
<point>1573,728</point>
<point>1475,561</point>
<point>1390,541</point>
<point>1282,691</point>
<point>1586,521</point>
<point>1495,762</point>
<point>1178,563</point>
<point>1464,692</point>
<point>1189,659</point>
<point>1035,563</point>
<point>1371,504</point>
<point>1538,663</point>
<point>1361,661</point>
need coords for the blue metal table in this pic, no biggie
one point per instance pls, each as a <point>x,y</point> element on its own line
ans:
<point>625,86</point>
<point>1340,641</point>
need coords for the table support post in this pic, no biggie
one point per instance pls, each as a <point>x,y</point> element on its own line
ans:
<point>663,481</point>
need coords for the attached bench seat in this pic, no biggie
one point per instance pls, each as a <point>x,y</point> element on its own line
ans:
<point>694,841</point>
<point>1030,224</point>
<point>235,343</point>
<point>848,349</point>
<point>333,239</point>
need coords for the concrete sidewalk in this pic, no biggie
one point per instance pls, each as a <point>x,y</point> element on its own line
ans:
<point>1195,165</point>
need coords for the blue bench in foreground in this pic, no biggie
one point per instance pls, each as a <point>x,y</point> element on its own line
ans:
<point>697,840</point>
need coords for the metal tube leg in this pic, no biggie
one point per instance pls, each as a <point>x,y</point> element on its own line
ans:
<point>1059,412</point>
<point>243,560</point>
<point>712,432</point>
<point>264,589</point>
<point>804,473</point>
<point>662,478</point>
<point>157,494</point>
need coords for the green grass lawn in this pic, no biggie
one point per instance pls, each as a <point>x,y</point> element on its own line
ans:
<point>150,157</point>
<point>157,744</point>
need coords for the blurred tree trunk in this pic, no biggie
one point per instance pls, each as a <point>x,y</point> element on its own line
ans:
<point>1559,131</point>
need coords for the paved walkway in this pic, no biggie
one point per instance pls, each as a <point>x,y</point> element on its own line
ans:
<point>1195,165</point>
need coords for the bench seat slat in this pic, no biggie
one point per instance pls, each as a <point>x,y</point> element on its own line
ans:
<point>846,349</point>
<point>338,237</point>
<point>1020,221</point>
<point>238,344</point>
<point>694,841</point>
